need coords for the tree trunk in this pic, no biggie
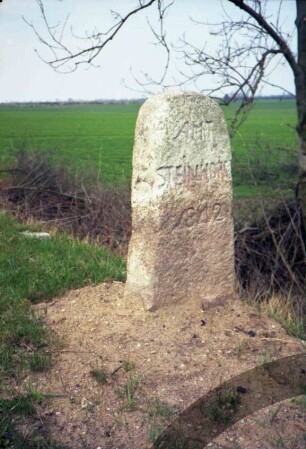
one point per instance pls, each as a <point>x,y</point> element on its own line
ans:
<point>300,85</point>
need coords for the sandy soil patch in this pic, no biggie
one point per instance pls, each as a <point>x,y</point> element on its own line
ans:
<point>123,373</point>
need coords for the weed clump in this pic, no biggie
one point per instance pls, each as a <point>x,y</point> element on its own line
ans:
<point>224,405</point>
<point>100,375</point>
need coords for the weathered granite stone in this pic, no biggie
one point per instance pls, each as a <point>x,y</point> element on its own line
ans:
<point>181,247</point>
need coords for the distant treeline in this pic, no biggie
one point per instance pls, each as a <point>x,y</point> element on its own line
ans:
<point>276,97</point>
<point>226,98</point>
<point>71,102</point>
<point>138,101</point>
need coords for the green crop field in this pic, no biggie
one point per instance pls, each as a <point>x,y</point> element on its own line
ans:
<point>83,136</point>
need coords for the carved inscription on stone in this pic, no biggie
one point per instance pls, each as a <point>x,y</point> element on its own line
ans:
<point>207,213</point>
<point>204,214</point>
<point>187,130</point>
<point>190,131</point>
<point>177,174</point>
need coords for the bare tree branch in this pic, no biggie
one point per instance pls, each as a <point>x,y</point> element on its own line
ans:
<point>97,40</point>
<point>271,32</point>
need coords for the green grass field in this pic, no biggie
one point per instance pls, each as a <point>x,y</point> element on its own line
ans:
<point>84,136</point>
<point>33,270</point>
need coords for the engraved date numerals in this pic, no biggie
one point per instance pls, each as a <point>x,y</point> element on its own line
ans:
<point>207,213</point>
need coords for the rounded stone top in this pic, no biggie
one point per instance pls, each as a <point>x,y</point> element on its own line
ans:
<point>178,102</point>
<point>176,94</point>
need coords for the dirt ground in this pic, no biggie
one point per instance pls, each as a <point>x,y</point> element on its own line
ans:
<point>122,373</point>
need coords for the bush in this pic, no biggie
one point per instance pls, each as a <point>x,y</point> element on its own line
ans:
<point>42,191</point>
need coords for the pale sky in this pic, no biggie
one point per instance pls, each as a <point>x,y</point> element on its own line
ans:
<point>24,77</point>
